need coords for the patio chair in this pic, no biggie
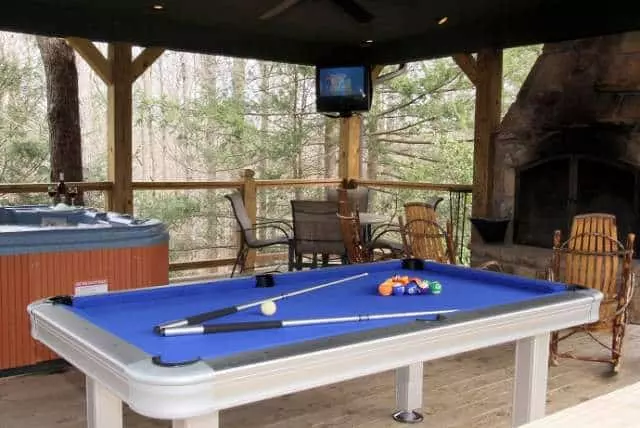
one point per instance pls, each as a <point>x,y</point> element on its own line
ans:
<point>316,232</point>
<point>591,258</point>
<point>249,239</point>
<point>425,238</point>
<point>358,197</point>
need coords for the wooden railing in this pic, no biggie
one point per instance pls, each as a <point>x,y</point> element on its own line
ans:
<point>22,188</point>
<point>249,186</point>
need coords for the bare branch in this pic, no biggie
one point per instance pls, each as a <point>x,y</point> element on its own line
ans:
<point>401,106</point>
<point>394,176</point>
<point>411,156</point>
<point>392,131</point>
<point>399,141</point>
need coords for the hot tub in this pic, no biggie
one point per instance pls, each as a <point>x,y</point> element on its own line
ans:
<point>46,252</point>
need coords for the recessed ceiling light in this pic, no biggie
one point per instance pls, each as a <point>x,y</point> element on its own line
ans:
<point>158,7</point>
<point>443,20</point>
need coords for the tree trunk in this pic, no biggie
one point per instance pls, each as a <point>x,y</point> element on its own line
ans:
<point>374,148</point>
<point>208,80</point>
<point>63,110</point>
<point>330,145</point>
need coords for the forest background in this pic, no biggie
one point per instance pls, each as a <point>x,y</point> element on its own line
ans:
<point>202,117</point>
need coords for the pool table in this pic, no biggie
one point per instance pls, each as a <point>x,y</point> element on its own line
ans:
<point>188,379</point>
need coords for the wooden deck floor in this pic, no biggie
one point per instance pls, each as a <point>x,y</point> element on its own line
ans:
<point>470,390</point>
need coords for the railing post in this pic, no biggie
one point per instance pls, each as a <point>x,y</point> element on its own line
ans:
<point>250,202</point>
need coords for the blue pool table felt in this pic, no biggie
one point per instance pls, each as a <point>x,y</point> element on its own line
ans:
<point>131,316</point>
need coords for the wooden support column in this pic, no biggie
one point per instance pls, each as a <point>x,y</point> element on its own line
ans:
<point>120,128</point>
<point>119,72</point>
<point>250,197</point>
<point>349,162</point>
<point>350,140</point>
<point>487,120</point>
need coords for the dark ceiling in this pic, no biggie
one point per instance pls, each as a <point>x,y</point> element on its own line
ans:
<point>321,31</point>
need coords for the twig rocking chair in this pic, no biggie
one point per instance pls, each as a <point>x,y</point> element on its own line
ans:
<point>424,237</point>
<point>591,258</point>
<point>359,251</point>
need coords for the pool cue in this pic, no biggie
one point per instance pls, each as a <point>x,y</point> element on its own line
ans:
<point>261,325</point>
<point>205,316</point>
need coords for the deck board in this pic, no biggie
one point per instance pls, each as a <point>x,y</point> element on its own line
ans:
<point>472,389</point>
<point>617,409</point>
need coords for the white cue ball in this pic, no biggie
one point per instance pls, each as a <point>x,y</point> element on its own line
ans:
<point>268,308</point>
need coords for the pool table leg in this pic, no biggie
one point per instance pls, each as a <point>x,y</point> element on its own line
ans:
<point>530,381</point>
<point>104,409</point>
<point>206,421</point>
<point>409,393</point>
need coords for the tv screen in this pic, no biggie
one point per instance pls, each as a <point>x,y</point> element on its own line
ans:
<point>343,89</point>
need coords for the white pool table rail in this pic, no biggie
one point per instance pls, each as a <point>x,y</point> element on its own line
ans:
<point>194,394</point>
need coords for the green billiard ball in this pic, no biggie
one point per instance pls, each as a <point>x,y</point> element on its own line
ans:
<point>435,287</point>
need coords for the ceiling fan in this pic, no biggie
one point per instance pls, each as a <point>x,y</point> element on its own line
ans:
<point>353,9</point>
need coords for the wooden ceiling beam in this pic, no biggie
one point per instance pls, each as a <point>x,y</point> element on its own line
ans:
<point>90,53</point>
<point>144,60</point>
<point>468,65</point>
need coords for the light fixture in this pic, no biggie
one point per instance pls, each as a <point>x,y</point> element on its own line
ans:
<point>158,7</point>
<point>443,20</point>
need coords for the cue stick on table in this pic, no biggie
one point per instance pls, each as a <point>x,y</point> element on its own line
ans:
<point>205,316</point>
<point>259,325</point>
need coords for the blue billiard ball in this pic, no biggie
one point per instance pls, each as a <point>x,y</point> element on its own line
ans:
<point>412,289</point>
<point>398,290</point>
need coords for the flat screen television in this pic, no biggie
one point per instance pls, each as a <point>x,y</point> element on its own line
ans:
<point>343,89</point>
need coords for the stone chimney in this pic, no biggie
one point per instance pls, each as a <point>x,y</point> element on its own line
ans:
<point>570,143</point>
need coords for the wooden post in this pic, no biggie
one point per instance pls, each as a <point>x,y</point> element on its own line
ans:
<point>487,121</point>
<point>350,135</point>
<point>119,72</point>
<point>119,129</point>
<point>349,161</point>
<point>249,195</point>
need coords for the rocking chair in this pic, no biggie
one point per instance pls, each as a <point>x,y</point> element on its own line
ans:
<point>426,239</point>
<point>590,258</point>
<point>359,251</point>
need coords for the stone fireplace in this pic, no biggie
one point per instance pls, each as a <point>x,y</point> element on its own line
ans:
<point>569,144</point>
<point>575,171</point>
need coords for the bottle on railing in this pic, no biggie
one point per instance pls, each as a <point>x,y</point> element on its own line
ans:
<point>61,189</point>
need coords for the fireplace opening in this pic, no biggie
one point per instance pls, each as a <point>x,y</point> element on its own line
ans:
<point>551,191</point>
